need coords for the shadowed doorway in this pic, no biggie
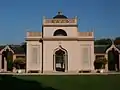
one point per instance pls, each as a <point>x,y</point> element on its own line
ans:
<point>113,60</point>
<point>60,61</point>
<point>7,59</point>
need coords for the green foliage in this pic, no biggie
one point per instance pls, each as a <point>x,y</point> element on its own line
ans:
<point>9,58</point>
<point>23,45</point>
<point>19,63</point>
<point>100,63</point>
<point>103,42</point>
<point>117,41</point>
<point>117,38</point>
<point>9,65</point>
<point>107,41</point>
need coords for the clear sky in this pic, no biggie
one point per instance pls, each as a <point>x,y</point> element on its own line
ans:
<point>16,16</point>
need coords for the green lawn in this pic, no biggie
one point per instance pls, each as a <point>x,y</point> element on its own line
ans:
<point>73,82</point>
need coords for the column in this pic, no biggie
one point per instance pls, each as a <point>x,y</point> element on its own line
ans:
<point>86,58</point>
<point>106,66</point>
<point>5,64</point>
<point>0,62</point>
<point>28,57</point>
<point>53,62</point>
<point>119,61</point>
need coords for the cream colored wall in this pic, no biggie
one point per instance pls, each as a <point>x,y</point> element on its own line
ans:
<point>71,31</point>
<point>30,65</point>
<point>90,45</point>
<point>14,57</point>
<point>73,48</point>
<point>73,54</point>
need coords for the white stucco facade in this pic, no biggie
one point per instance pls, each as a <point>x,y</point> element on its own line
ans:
<point>76,48</point>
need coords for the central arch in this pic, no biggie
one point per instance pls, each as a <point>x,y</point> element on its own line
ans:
<point>60,61</point>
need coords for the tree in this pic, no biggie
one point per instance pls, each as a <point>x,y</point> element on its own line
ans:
<point>100,63</point>
<point>117,41</point>
<point>103,42</point>
<point>19,63</point>
<point>24,46</point>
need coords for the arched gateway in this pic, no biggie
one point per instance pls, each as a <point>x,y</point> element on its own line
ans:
<point>60,60</point>
<point>113,60</point>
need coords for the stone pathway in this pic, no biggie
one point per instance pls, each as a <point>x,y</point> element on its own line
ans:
<point>60,73</point>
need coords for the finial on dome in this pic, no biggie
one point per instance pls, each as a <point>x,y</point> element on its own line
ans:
<point>60,16</point>
<point>59,13</point>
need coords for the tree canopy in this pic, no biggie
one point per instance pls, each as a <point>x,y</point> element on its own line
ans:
<point>103,42</point>
<point>23,45</point>
<point>117,41</point>
<point>107,41</point>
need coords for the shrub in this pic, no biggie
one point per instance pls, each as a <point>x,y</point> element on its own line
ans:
<point>100,63</point>
<point>19,63</point>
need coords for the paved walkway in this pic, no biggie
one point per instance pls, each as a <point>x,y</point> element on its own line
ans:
<point>60,73</point>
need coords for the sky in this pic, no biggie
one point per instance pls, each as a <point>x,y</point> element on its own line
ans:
<point>19,16</point>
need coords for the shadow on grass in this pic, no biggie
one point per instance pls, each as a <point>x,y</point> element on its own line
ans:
<point>8,82</point>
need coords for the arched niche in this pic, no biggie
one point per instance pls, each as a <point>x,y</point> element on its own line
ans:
<point>60,32</point>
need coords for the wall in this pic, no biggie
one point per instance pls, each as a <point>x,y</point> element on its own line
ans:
<point>87,60</point>
<point>31,64</point>
<point>71,31</point>
<point>73,54</point>
<point>75,60</point>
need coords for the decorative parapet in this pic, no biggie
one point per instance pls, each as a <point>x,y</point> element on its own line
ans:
<point>34,34</point>
<point>85,34</point>
<point>81,36</point>
<point>72,21</point>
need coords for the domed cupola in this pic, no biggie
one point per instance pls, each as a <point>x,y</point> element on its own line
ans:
<point>59,16</point>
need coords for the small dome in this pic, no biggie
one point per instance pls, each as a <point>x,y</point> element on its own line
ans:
<point>59,16</point>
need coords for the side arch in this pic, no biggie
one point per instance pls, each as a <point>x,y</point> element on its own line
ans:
<point>111,47</point>
<point>7,59</point>
<point>113,57</point>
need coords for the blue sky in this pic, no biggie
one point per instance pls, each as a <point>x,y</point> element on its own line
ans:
<point>16,16</point>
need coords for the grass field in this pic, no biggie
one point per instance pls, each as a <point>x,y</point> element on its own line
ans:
<point>65,82</point>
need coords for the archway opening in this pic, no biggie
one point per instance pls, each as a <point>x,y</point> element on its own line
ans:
<point>7,60</point>
<point>60,32</point>
<point>113,60</point>
<point>60,60</point>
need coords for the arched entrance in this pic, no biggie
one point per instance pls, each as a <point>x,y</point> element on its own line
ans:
<point>113,60</point>
<point>7,60</point>
<point>60,60</point>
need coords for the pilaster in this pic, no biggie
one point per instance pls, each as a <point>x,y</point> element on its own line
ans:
<point>0,62</point>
